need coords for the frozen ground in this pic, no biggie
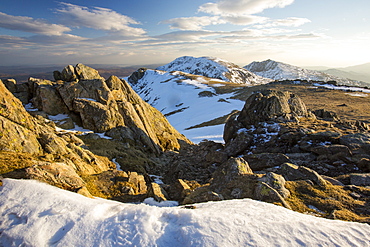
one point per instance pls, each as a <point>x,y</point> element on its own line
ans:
<point>36,214</point>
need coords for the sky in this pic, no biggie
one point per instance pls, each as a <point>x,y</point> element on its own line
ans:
<point>333,33</point>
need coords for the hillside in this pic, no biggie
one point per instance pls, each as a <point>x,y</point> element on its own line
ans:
<point>214,68</point>
<point>282,71</point>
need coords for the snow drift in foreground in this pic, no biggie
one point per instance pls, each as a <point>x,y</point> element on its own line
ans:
<point>36,214</point>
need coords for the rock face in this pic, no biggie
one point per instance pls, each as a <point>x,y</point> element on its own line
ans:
<point>103,105</point>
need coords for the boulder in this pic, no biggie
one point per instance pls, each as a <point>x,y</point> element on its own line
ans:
<point>239,144</point>
<point>229,171</point>
<point>138,181</point>
<point>360,179</point>
<point>84,72</point>
<point>266,193</point>
<point>202,194</point>
<point>258,162</point>
<point>179,190</point>
<point>359,142</point>
<point>292,172</point>
<point>277,182</point>
<point>272,105</point>
<point>10,84</point>
<point>68,74</point>
<point>157,192</point>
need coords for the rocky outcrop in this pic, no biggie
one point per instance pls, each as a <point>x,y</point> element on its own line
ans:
<point>103,105</point>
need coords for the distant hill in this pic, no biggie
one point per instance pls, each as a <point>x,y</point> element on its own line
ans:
<point>282,71</point>
<point>214,68</point>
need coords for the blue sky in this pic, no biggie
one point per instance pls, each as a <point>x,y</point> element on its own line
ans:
<point>332,33</point>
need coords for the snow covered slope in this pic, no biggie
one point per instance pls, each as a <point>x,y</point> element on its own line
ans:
<point>281,71</point>
<point>186,100</point>
<point>37,214</point>
<point>214,68</point>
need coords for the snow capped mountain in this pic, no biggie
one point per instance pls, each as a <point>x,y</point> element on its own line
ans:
<point>282,71</point>
<point>186,100</point>
<point>37,214</point>
<point>214,68</point>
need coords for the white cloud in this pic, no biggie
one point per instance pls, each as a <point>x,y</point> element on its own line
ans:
<point>244,19</point>
<point>31,25</point>
<point>193,23</point>
<point>242,7</point>
<point>99,18</point>
<point>289,22</point>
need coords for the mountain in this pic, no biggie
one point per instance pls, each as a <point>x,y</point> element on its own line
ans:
<point>186,100</point>
<point>358,72</point>
<point>282,71</point>
<point>214,68</point>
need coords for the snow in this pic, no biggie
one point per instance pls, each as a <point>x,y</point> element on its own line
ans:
<point>58,117</point>
<point>30,107</point>
<point>344,88</point>
<point>177,97</point>
<point>213,68</point>
<point>37,214</point>
<point>282,71</point>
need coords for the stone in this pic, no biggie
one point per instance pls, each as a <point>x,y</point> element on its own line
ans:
<point>157,192</point>
<point>292,173</point>
<point>139,181</point>
<point>68,74</point>
<point>56,174</point>
<point>258,162</point>
<point>360,179</point>
<point>202,194</point>
<point>228,171</point>
<point>84,72</point>
<point>327,115</point>
<point>277,182</point>
<point>179,190</point>
<point>364,164</point>
<point>10,84</point>
<point>239,144</point>
<point>266,193</point>
<point>272,105</point>
<point>356,142</point>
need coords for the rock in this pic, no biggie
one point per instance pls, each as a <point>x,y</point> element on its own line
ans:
<point>333,181</point>
<point>84,191</point>
<point>202,194</point>
<point>277,182</point>
<point>84,72</point>
<point>332,152</point>
<point>292,172</point>
<point>239,144</point>
<point>179,190</point>
<point>266,193</point>
<point>68,74</point>
<point>364,164</point>
<point>258,162</point>
<point>272,105</point>
<point>327,115</point>
<point>157,192</point>
<point>56,174</point>
<point>360,179</point>
<point>231,128</point>
<point>10,84</point>
<point>138,181</point>
<point>228,171</point>
<point>46,97</point>
<point>359,142</point>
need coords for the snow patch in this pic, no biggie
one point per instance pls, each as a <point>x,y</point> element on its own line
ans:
<point>37,214</point>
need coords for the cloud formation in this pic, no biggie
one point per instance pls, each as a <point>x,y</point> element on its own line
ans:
<point>31,25</point>
<point>242,7</point>
<point>99,18</point>
<point>193,23</point>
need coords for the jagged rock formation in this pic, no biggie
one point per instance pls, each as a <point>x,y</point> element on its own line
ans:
<point>102,105</point>
<point>214,68</point>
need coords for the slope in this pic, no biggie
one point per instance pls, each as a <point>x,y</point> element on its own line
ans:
<point>186,100</point>
<point>214,68</point>
<point>282,71</point>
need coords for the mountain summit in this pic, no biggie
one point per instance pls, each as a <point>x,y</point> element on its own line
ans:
<point>282,71</point>
<point>214,68</point>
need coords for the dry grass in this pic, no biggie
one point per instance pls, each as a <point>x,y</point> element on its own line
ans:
<point>331,201</point>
